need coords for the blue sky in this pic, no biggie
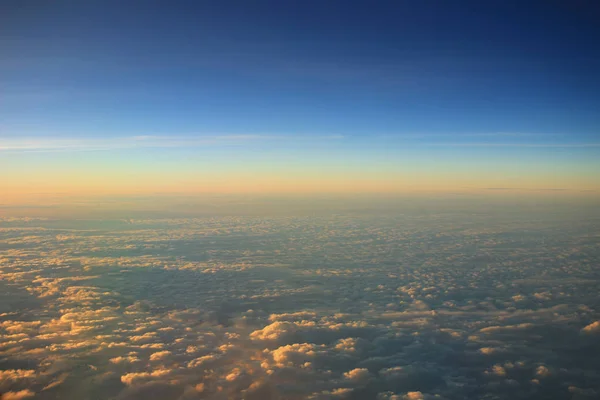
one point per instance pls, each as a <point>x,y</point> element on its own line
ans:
<point>437,79</point>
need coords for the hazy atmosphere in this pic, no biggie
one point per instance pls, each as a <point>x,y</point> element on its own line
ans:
<point>299,200</point>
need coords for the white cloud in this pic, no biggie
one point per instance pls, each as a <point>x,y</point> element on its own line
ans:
<point>148,141</point>
<point>516,145</point>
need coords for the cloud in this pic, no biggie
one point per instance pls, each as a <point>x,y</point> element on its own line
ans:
<point>436,306</point>
<point>297,353</point>
<point>160,355</point>
<point>21,394</point>
<point>542,371</point>
<point>123,360</point>
<point>517,145</point>
<point>357,374</point>
<point>11,376</point>
<point>348,345</point>
<point>414,396</point>
<point>526,189</point>
<point>58,381</point>
<point>140,377</point>
<point>274,331</point>
<point>497,370</point>
<point>593,328</point>
<point>44,144</point>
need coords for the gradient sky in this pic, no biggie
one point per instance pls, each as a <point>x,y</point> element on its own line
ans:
<point>341,96</point>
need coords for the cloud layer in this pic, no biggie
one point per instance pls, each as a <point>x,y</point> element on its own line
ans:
<point>421,306</point>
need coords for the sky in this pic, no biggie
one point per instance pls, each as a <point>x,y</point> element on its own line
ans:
<point>106,97</point>
<point>299,200</point>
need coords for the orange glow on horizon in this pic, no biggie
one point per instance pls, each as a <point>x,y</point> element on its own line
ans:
<point>102,185</point>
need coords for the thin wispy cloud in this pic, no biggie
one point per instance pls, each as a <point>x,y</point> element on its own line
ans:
<point>147,141</point>
<point>528,145</point>
<point>70,144</point>
<point>528,189</point>
<point>487,139</point>
<point>421,135</point>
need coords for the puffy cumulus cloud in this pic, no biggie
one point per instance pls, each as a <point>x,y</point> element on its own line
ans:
<point>341,392</point>
<point>124,360</point>
<point>324,329</point>
<point>415,395</point>
<point>146,338</point>
<point>160,355</point>
<point>337,393</point>
<point>393,372</point>
<point>16,378</point>
<point>13,327</point>
<point>348,345</point>
<point>12,375</point>
<point>234,374</point>
<point>357,374</point>
<point>141,377</point>
<point>297,353</point>
<point>488,350</point>
<point>543,296</point>
<point>542,371</point>
<point>295,316</point>
<point>203,361</point>
<point>274,331</point>
<point>593,328</point>
<point>497,370</point>
<point>21,394</point>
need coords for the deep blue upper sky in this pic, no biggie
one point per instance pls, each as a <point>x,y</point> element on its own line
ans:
<point>358,69</point>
